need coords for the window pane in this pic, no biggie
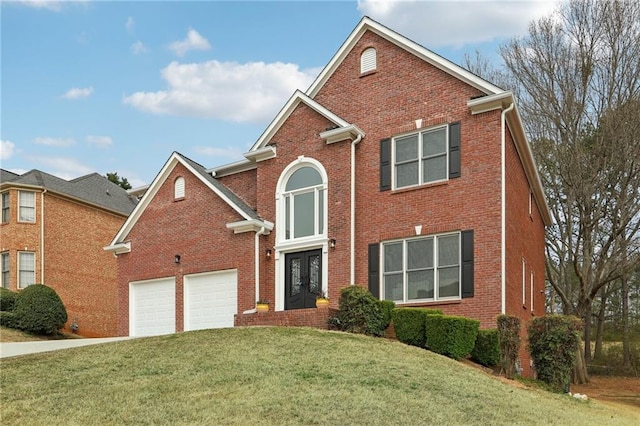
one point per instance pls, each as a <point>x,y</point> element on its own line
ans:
<point>434,169</point>
<point>448,282</point>
<point>420,253</point>
<point>448,252</point>
<point>314,274</point>
<point>434,142</point>
<point>393,257</point>
<point>420,284</point>
<point>321,211</point>
<point>27,269</point>
<point>407,148</point>
<point>393,287</point>
<point>296,278</point>
<point>303,214</point>
<point>5,207</point>
<point>407,174</point>
<point>27,203</point>
<point>5,270</point>
<point>303,178</point>
<point>287,216</point>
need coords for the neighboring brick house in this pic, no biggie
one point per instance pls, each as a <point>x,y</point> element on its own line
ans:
<point>397,170</point>
<point>53,232</point>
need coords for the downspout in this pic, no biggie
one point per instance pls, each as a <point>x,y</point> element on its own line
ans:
<point>503,211</point>
<point>257,267</point>
<point>352,266</point>
<point>42,281</point>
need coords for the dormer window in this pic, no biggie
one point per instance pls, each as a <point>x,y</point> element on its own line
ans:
<point>178,188</point>
<point>368,61</point>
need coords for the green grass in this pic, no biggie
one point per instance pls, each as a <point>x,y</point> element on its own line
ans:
<point>272,376</point>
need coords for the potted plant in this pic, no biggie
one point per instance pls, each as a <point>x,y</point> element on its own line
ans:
<point>322,300</point>
<point>262,305</point>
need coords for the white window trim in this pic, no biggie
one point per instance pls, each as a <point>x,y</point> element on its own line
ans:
<point>284,246</point>
<point>20,206</point>
<point>531,281</point>
<point>19,270</point>
<point>394,184</point>
<point>436,297</point>
<point>4,255</point>
<point>6,207</point>
<point>524,282</point>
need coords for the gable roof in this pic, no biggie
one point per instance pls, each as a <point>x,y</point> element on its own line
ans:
<point>249,216</point>
<point>368,24</point>
<point>296,99</point>
<point>92,189</point>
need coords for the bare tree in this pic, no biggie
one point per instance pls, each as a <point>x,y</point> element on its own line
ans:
<point>578,75</point>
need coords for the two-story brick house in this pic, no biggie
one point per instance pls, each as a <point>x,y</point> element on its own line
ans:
<point>53,231</point>
<point>397,170</point>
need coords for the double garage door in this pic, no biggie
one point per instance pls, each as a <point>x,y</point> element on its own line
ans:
<point>210,301</point>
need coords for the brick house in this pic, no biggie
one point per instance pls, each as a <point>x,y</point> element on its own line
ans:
<point>52,233</point>
<point>397,170</point>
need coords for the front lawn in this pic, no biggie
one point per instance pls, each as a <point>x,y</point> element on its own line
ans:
<point>273,376</point>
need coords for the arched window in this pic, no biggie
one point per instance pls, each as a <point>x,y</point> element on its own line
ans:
<point>368,60</point>
<point>304,203</point>
<point>178,188</point>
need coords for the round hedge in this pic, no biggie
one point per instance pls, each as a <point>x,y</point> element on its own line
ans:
<point>359,312</point>
<point>39,310</point>
<point>7,299</point>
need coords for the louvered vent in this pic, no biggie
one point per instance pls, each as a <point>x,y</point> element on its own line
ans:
<point>178,188</point>
<point>368,60</point>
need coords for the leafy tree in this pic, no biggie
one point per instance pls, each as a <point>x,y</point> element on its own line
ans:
<point>121,181</point>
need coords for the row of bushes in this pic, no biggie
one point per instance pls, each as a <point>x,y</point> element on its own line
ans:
<point>37,309</point>
<point>553,339</point>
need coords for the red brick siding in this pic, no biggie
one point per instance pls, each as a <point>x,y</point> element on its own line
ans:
<point>524,239</point>
<point>313,317</point>
<point>193,227</point>
<point>243,185</point>
<point>83,275</point>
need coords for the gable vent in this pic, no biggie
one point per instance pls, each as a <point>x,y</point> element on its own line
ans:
<point>178,188</point>
<point>368,60</point>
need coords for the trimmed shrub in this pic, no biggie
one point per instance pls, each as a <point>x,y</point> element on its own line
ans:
<point>7,299</point>
<point>451,336</point>
<point>487,348</point>
<point>553,343</point>
<point>359,312</point>
<point>408,324</point>
<point>509,337</point>
<point>386,306</point>
<point>8,319</point>
<point>39,310</point>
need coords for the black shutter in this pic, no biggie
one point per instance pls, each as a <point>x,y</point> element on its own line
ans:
<point>454,150</point>
<point>385,164</point>
<point>374,270</point>
<point>467,263</point>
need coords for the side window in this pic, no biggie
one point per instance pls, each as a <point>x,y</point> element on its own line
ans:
<point>368,60</point>
<point>26,269</point>
<point>5,207</point>
<point>4,263</point>
<point>26,206</point>
<point>178,188</point>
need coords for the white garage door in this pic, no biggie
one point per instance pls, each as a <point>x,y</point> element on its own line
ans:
<point>152,307</point>
<point>210,300</point>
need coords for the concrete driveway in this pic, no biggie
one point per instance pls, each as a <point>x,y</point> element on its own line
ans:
<point>24,348</point>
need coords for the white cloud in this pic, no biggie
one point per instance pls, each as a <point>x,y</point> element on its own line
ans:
<point>194,41</point>
<point>138,47</point>
<point>55,6</point>
<point>63,167</point>
<point>99,141</point>
<point>59,142</point>
<point>129,24</point>
<point>210,151</point>
<point>7,148</point>
<point>252,92</point>
<point>78,93</point>
<point>456,23</point>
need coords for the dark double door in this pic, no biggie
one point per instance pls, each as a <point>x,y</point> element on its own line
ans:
<point>303,279</point>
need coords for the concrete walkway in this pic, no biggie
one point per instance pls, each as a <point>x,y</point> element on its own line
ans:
<point>24,348</point>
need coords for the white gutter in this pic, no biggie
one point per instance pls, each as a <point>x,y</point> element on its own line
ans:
<point>352,266</point>
<point>503,210</point>
<point>42,236</point>
<point>262,231</point>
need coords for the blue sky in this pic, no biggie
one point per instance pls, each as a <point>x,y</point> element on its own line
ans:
<point>96,86</point>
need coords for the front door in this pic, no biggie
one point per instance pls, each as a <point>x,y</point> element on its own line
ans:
<point>303,279</point>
